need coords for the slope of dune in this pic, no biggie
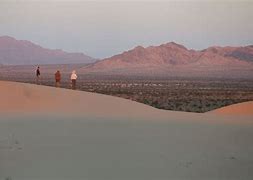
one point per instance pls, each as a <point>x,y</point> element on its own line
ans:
<point>50,134</point>
<point>245,108</point>
<point>28,98</point>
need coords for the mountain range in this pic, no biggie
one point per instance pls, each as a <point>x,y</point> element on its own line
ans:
<point>173,59</point>
<point>22,52</point>
<point>170,59</point>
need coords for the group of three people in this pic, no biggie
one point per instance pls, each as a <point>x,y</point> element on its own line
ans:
<point>57,75</point>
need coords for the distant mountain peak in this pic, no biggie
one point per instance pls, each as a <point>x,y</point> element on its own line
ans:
<point>23,52</point>
<point>175,59</point>
<point>173,44</point>
<point>7,38</point>
<point>139,48</point>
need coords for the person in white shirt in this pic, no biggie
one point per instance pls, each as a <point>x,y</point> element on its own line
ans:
<point>73,78</point>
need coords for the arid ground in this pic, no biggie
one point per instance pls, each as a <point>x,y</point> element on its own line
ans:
<point>48,133</point>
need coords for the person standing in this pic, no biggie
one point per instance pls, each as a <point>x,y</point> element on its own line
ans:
<point>38,75</point>
<point>73,78</point>
<point>57,78</point>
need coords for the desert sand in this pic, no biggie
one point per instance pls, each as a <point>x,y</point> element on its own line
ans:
<point>51,134</point>
<point>245,108</point>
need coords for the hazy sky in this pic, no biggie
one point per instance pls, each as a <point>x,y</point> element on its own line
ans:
<point>103,28</point>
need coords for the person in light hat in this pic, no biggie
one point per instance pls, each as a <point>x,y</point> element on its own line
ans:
<point>73,78</point>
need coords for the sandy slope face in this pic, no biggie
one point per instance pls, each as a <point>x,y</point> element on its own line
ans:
<point>245,108</point>
<point>63,148</point>
<point>27,98</point>
<point>75,144</point>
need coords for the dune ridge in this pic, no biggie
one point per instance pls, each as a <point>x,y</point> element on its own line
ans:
<point>22,97</point>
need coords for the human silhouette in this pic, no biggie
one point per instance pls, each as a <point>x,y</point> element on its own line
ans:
<point>57,78</point>
<point>38,75</point>
<point>73,78</point>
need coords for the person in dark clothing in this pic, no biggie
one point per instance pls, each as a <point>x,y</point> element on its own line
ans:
<point>57,78</point>
<point>38,75</point>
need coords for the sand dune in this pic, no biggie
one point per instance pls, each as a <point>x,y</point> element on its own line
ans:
<point>25,98</point>
<point>28,98</point>
<point>245,108</point>
<point>50,134</point>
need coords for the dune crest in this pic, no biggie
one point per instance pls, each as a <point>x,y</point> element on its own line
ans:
<point>29,98</point>
<point>21,97</point>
